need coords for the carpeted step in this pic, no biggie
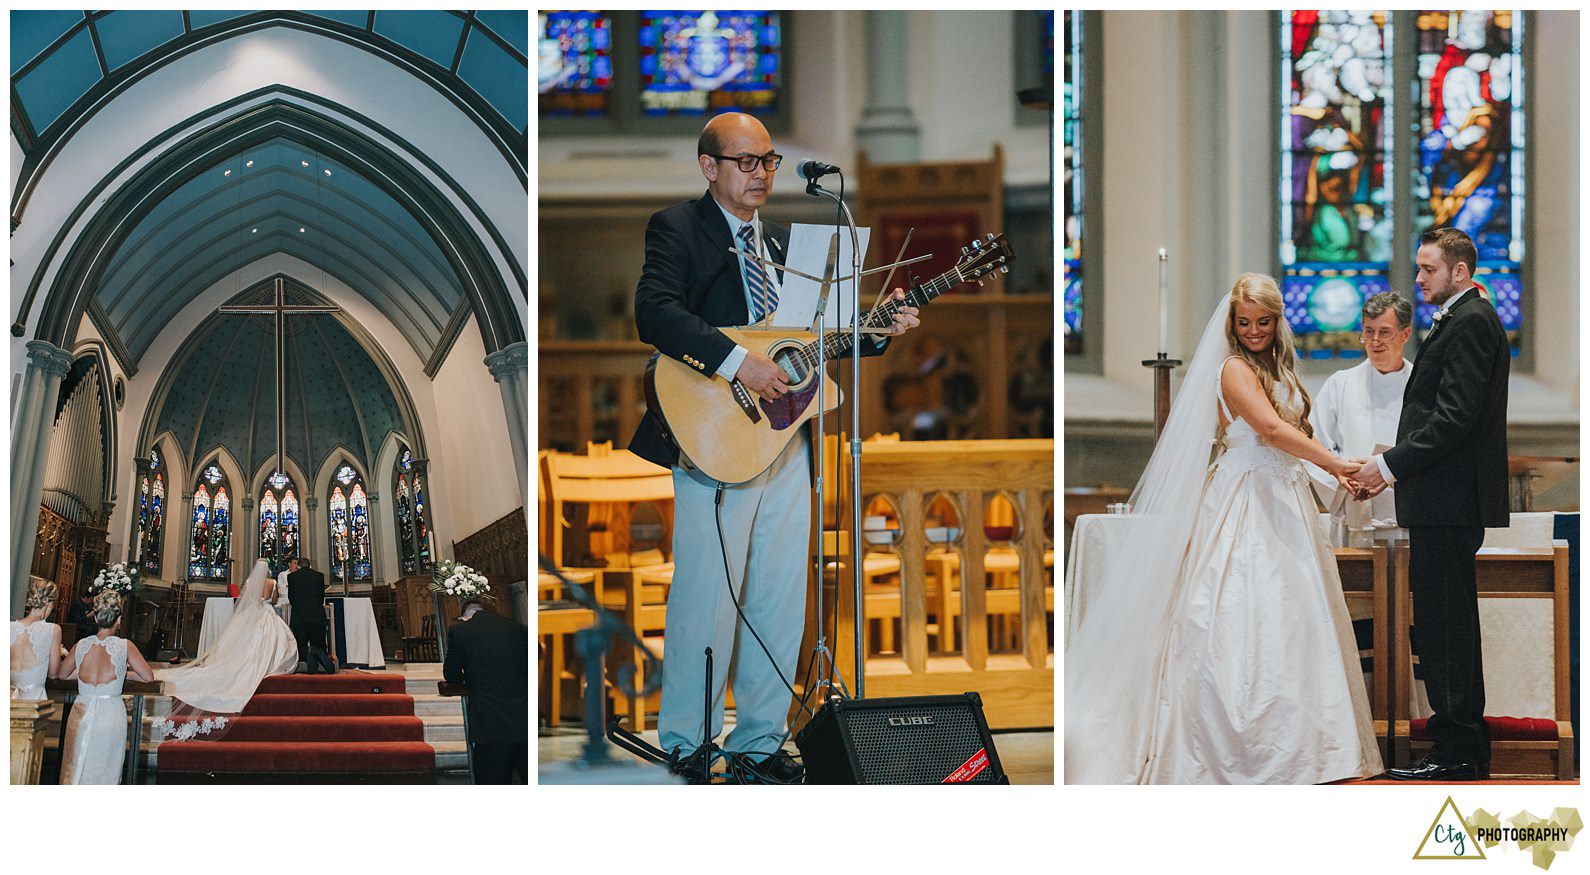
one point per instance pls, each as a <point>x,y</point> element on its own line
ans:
<point>295,757</point>
<point>347,682</point>
<point>339,705</point>
<point>310,729</point>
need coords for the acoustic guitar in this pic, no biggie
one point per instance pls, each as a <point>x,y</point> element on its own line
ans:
<point>730,433</point>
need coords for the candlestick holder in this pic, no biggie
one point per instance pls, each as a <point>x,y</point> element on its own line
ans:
<point>1162,365</point>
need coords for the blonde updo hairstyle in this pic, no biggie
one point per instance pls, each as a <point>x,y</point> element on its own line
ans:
<point>40,593</point>
<point>1279,362</point>
<point>107,609</point>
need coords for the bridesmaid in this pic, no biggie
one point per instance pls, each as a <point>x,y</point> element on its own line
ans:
<point>35,643</point>
<point>96,730</point>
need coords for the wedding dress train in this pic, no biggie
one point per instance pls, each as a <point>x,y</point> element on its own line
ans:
<point>254,644</point>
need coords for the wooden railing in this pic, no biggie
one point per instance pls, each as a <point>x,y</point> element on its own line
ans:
<point>1017,687</point>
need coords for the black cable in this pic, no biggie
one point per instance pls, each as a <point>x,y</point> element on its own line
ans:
<point>728,582</point>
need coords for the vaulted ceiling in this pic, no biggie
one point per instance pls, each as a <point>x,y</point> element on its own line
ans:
<point>221,389</point>
<point>61,58</point>
<point>278,197</point>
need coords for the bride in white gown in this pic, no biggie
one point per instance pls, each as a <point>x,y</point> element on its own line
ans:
<point>1219,648</point>
<point>254,644</point>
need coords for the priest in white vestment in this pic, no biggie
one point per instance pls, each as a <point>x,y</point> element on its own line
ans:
<point>1356,411</point>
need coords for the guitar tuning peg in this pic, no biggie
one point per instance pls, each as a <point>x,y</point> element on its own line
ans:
<point>1004,268</point>
<point>965,251</point>
<point>990,236</point>
<point>977,244</point>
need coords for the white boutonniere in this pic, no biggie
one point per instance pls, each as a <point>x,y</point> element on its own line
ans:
<point>1439,315</point>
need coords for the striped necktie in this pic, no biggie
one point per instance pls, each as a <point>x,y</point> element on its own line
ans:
<point>763,296</point>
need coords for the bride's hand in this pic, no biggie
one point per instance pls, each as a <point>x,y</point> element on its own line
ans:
<point>1346,467</point>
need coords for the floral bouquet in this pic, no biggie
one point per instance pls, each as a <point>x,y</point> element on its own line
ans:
<point>114,578</point>
<point>458,580</point>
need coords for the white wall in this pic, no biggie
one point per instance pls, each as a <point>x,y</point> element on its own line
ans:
<point>470,453</point>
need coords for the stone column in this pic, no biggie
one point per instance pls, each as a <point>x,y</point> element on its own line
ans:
<point>375,541</point>
<point>252,547</point>
<point>31,422</point>
<point>306,524</point>
<point>510,366</point>
<point>888,131</point>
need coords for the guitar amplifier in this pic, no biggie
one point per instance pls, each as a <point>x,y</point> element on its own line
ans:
<point>910,740</point>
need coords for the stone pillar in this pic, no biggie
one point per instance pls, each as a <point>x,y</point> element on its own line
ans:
<point>306,524</point>
<point>888,131</point>
<point>252,547</point>
<point>510,366</point>
<point>375,541</point>
<point>31,422</point>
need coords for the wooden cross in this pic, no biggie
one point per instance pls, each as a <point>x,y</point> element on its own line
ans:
<point>280,310</point>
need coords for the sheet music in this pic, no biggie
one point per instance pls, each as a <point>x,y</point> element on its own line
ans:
<point>809,248</point>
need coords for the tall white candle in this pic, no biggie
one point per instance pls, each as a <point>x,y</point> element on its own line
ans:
<point>1164,307</point>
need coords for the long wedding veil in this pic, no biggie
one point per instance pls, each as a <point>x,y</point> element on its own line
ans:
<point>1112,662</point>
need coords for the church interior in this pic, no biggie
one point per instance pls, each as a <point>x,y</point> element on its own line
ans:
<point>1315,147</point>
<point>942,124</point>
<point>269,299</point>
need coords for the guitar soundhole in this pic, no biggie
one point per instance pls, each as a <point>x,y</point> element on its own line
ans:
<point>797,371</point>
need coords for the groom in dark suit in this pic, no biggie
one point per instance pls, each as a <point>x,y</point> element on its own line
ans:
<point>1450,469</point>
<point>306,590</point>
<point>491,654</point>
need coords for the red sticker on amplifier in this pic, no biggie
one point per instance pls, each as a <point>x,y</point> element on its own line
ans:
<point>969,769</point>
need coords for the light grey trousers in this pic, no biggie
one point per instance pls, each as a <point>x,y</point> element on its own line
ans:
<point>766,528</point>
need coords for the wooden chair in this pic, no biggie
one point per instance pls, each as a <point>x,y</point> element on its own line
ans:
<point>423,647</point>
<point>635,583</point>
<point>1506,572</point>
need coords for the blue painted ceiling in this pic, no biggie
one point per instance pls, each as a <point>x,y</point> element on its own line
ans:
<point>58,56</point>
<point>222,392</point>
<point>278,197</point>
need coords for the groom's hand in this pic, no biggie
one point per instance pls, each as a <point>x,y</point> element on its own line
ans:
<point>1369,478</point>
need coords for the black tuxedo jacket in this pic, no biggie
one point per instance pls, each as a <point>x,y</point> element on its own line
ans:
<point>491,654</point>
<point>689,287</point>
<point>1450,460</point>
<point>306,590</point>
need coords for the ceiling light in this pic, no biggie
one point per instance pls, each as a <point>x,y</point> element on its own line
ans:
<point>227,173</point>
<point>300,230</point>
<point>249,164</point>
<point>304,163</point>
<point>253,230</point>
<point>328,171</point>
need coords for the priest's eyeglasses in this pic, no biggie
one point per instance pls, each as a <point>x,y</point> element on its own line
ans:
<point>1383,334</point>
<point>747,163</point>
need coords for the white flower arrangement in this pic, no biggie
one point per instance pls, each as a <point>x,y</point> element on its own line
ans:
<point>115,578</point>
<point>458,580</point>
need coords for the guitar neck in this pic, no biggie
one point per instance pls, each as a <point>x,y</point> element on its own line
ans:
<point>836,343</point>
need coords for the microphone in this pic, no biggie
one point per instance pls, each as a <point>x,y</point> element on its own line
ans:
<point>813,170</point>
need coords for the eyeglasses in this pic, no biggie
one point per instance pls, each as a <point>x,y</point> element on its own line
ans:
<point>747,163</point>
<point>1385,334</point>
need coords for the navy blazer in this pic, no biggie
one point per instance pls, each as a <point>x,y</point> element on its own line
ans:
<point>689,287</point>
<point>1450,460</point>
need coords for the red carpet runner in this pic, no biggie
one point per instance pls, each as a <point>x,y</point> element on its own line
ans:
<point>352,727</point>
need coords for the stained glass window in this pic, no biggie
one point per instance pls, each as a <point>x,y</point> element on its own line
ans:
<point>151,515</point>
<point>349,523</point>
<point>199,542</point>
<point>404,507</point>
<point>1469,166</point>
<point>1336,128</point>
<point>278,520</point>
<point>1071,120</point>
<point>574,64</point>
<point>210,545</point>
<point>692,63</point>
